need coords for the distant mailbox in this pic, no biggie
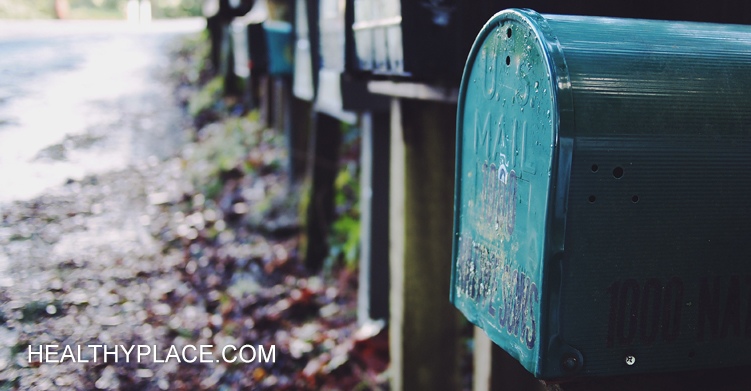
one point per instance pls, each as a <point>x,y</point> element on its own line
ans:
<point>279,41</point>
<point>340,94</point>
<point>603,199</point>
<point>249,39</point>
<point>419,39</point>
<point>410,38</point>
<point>429,40</point>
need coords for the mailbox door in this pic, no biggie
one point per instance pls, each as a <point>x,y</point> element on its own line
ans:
<point>279,42</point>
<point>507,134</point>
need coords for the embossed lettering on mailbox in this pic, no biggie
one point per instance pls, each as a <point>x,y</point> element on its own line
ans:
<point>505,135</point>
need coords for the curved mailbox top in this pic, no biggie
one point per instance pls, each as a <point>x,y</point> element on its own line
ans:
<point>507,129</point>
<point>553,242</point>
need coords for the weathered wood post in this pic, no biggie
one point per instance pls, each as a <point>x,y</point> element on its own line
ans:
<point>325,54</point>
<point>373,290</point>
<point>325,142</point>
<point>304,90</point>
<point>424,326</point>
<point>496,370</point>
<point>301,122</point>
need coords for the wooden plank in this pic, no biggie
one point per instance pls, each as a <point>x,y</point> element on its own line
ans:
<point>301,126</point>
<point>280,104</point>
<point>396,247</point>
<point>293,118</point>
<point>496,370</point>
<point>417,91</point>
<point>373,291</point>
<point>425,327</point>
<point>265,104</point>
<point>326,140</point>
<point>482,356</point>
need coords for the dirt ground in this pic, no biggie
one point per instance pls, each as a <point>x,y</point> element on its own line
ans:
<point>150,255</point>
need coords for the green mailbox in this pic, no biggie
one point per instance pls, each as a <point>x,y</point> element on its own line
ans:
<point>603,197</point>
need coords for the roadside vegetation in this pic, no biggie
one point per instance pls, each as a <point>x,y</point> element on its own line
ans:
<point>202,248</point>
<point>95,9</point>
<point>238,166</point>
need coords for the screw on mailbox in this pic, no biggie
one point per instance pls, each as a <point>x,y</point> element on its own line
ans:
<point>570,363</point>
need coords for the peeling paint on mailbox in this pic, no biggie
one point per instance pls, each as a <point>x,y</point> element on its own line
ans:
<point>506,143</point>
<point>602,200</point>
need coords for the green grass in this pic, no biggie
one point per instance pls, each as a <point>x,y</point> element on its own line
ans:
<point>27,9</point>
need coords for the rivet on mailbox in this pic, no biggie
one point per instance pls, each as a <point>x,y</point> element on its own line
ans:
<point>603,196</point>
